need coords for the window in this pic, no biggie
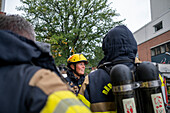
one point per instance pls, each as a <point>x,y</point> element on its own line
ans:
<point>152,52</point>
<point>158,26</point>
<point>157,50</point>
<point>163,48</point>
<point>168,47</point>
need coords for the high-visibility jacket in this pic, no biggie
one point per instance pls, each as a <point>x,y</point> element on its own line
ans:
<point>29,81</point>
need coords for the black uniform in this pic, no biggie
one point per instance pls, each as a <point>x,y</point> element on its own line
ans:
<point>74,82</point>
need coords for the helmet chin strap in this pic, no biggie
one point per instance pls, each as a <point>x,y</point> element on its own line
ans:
<point>75,70</point>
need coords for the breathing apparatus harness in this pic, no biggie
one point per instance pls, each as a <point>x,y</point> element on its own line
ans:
<point>107,66</point>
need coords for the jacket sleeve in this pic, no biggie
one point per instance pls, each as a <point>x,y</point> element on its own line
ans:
<point>59,98</point>
<point>84,92</point>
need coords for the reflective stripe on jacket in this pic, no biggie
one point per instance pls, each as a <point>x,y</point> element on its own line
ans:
<point>64,102</point>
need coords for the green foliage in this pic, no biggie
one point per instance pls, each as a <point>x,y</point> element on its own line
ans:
<point>67,24</point>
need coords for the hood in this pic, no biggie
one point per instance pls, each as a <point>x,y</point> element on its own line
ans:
<point>16,49</point>
<point>119,44</point>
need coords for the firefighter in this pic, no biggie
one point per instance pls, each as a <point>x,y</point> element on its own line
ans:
<point>29,81</point>
<point>75,73</point>
<point>119,47</point>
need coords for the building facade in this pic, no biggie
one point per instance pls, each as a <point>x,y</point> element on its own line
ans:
<point>2,5</point>
<point>153,39</point>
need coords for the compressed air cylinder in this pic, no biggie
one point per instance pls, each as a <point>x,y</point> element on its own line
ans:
<point>149,95</point>
<point>123,89</point>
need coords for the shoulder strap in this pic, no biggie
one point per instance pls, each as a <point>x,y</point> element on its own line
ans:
<point>108,65</point>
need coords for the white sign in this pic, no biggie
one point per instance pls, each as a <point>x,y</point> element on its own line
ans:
<point>158,103</point>
<point>129,105</point>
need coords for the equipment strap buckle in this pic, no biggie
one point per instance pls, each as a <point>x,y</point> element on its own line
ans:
<point>150,84</point>
<point>124,88</point>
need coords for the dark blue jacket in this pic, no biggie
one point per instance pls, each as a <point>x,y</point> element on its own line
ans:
<point>74,82</point>
<point>20,59</point>
<point>119,47</point>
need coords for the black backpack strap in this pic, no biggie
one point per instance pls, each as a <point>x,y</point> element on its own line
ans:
<point>107,66</point>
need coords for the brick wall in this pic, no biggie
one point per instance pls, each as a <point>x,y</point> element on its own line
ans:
<point>144,51</point>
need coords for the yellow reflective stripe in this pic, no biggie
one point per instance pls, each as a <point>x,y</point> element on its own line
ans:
<point>160,77</point>
<point>66,105</point>
<point>84,100</point>
<point>108,89</point>
<point>106,112</point>
<point>77,109</point>
<point>64,102</point>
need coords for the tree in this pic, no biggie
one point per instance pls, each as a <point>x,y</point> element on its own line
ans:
<point>70,26</point>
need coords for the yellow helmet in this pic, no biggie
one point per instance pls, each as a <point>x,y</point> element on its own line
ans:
<point>77,58</point>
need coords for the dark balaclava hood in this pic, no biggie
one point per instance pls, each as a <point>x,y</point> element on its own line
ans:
<point>118,44</point>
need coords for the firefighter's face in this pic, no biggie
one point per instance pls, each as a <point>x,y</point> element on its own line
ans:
<point>80,68</point>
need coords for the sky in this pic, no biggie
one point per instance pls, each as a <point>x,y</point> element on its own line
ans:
<point>136,12</point>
